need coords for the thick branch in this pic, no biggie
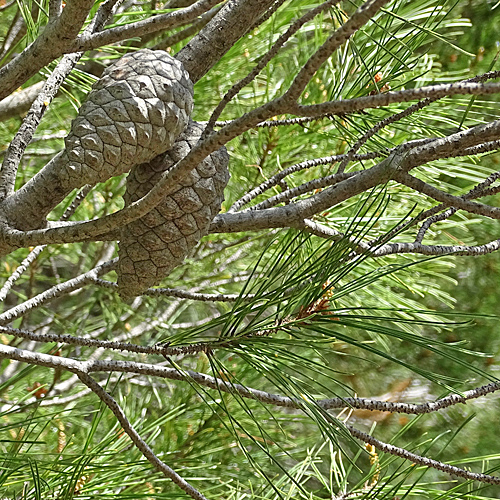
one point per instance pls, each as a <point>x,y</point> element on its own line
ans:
<point>141,28</point>
<point>19,102</point>
<point>54,40</point>
<point>377,100</point>
<point>223,31</point>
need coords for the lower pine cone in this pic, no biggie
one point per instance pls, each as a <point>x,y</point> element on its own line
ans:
<point>152,246</point>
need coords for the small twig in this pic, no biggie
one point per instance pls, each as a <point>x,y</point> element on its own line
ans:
<point>93,366</point>
<point>399,248</point>
<point>287,195</point>
<point>140,444</point>
<point>278,123</point>
<point>37,250</point>
<point>83,368</point>
<point>26,131</point>
<point>7,5</point>
<point>175,292</point>
<point>295,26</point>
<point>323,231</point>
<point>349,156</point>
<point>362,15</point>
<point>199,23</point>
<point>423,461</point>
<point>21,268</point>
<point>446,199</point>
<point>277,178</point>
<point>399,116</point>
<point>393,97</point>
<point>140,28</point>
<point>56,291</point>
<point>432,220</point>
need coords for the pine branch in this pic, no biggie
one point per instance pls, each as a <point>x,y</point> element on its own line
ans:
<point>56,291</point>
<point>218,384</point>
<point>195,27</point>
<point>220,34</point>
<point>37,250</point>
<point>19,102</point>
<point>362,16</point>
<point>140,28</point>
<point>140,444</point>
<point>423,461</point>
<point>264,60</point>
<point>392,97</point>
<point>55,39</point>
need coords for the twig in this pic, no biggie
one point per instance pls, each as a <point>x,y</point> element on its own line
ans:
<point>349,156</point>
<point>19,271</point>
<point>82,369</point>
<point>7,5</point>
<point>26,131</point>
<point>418,459</point>
<point>387,98</point>
<point>175,292</point>
<point>435,250</point>
<point>51,43</point>
<point>277,178</point>
<point>295,26</point>
<point>403,114</point>
<point>56,291</point>
<point>362,15</point>
<point>399,248</point>
<point>140,444</point>
<point>37,250</point>
<point>140,28</point>
<point>278,123</point>
<point>287,195</point>
<point>432,220</point>
<point>168,41</point>
<point>94,366</point>
<point>446,199</point>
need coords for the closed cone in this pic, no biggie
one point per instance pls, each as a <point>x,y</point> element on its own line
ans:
<point>135,111</point>
<point>153,245</point>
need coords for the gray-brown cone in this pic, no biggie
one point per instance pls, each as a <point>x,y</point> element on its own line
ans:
<point>152,246</point>
<point>134,112</point>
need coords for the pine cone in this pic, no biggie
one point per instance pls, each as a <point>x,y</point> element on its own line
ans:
<point>135,111</point>
<point>150,247</point>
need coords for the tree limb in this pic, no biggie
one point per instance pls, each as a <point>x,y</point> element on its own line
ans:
<point>54,40</point>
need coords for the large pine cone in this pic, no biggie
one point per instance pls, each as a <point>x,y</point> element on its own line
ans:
<point>135,111</point>
<point>150,247</point>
